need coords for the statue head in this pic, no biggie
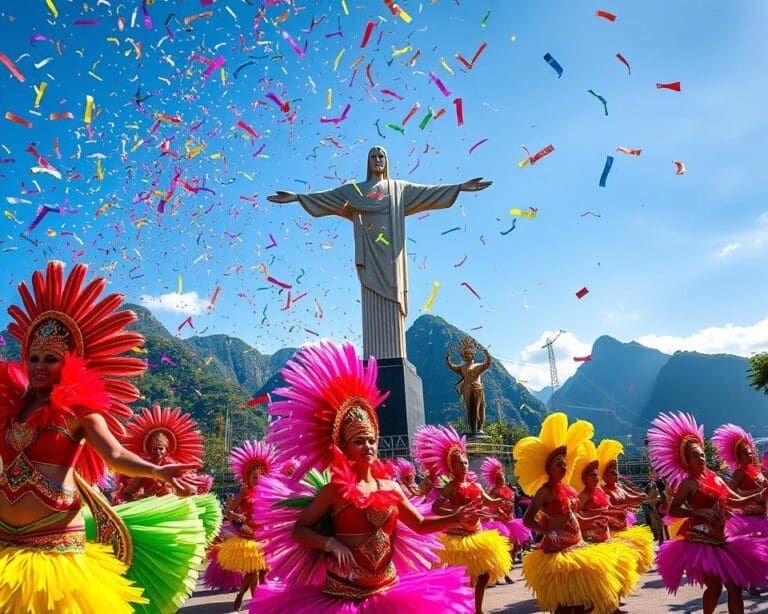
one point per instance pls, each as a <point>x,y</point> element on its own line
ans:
<point>378,163</point>
<point>467,347</point>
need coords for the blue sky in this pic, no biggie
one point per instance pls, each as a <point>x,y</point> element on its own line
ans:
<point>673,261</point>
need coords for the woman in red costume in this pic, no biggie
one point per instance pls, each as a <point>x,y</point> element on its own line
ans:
<point>483,553</point>
<point>60,411</point>
<point>567,575</point>
<point>352,556</point>
<point>737,448</point>
<point>703,551</point>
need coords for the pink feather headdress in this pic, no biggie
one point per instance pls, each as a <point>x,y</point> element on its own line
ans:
<point>668,440</point>
<point>329,394</point>
<point>252,455</point>
<point>434,446</point>
<point>404,470</point>
<point>491,468</point>
<point>728,439</point>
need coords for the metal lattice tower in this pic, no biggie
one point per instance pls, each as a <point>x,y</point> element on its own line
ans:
<point>555,383</point>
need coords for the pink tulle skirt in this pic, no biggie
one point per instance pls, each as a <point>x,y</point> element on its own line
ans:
<point>438,590</point>
<point>741,524</point>
<point>631,519</point>
<point>742,560</point>
<point>220,579</point>
<point>514,530</point>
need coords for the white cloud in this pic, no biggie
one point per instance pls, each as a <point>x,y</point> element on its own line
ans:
<point>728,339</point>
<point>532,362</point>
<point>188,304</point>
<point>753,240</point>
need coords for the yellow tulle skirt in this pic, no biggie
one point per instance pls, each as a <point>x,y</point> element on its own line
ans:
<point>241,555</point>
<point>34,581</point>
<point>641,539</point>
<point>484,552</point>
<point>593,575</point>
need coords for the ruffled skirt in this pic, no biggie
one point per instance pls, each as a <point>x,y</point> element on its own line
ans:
<point>484,552</point>
<point>241,555</point>
<point>641,539</point>
<point>439,590</point>
<point>35,581</point>
<point>742,560</point>
<point>591,575</point>
<point>742,524</point>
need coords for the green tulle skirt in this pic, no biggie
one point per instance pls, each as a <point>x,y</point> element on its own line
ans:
<point>169,536</point>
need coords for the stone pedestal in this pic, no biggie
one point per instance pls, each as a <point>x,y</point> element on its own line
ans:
<point>479,447</point>
<point>403,411</point>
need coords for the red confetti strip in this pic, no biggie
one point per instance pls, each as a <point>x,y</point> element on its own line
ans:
<point>459,111</point>
<point>471,289</point>
<point>64,115</point>
<point>284,106</point>
<point>679,167</point>
<point>391,93</point>
<point>215,296</point>
<point>540,154</point>
<point>582,358</point>
<point>605,15</point>
<point>582,293</point>
<point>476,145</point>
<point>623,60</point>
<point>277,282</point>
<point>368,74</point>
<point>436,115</point>
<point>674,86</point>
<point>287,302</point>
<point>470,65</point>
<point>247,128</point>
<point>629,152</point>
<point>411,113</point>
<point>19,120</point>
<point>12,67</point>
<point>368,29</point>
<point>264,398</point>
<point>187,322</point>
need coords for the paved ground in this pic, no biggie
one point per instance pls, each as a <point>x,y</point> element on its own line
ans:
<point>650,597</point>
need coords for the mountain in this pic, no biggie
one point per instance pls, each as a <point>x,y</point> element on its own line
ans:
<point>233,359</point>
<point>713,387</point>
<point>544,394</point>
<point>612,389</point>
<point>427,341</point>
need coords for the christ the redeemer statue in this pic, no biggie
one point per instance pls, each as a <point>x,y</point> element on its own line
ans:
<point>377,208</point>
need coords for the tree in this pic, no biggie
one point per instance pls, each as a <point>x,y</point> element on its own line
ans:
<point>758,372</point>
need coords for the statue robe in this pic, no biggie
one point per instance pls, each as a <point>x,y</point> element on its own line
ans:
<point>378,217</point>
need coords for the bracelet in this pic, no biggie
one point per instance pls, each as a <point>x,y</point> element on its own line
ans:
<point>329,544</point>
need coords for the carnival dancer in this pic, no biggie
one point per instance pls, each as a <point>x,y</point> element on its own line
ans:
<point>737,448</point>
<point>352,555</point>
<point>595,512</point>
<point>405,473</point>
<point>242,553</point>
<point>60,419</point>
<point>517,534</point>
<point>484,553</point>
<point>567,575</point>
<point>624,525</point>
<point>704,552</point>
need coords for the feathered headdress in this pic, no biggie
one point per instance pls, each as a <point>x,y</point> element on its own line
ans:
<point>330,398</point>
<point>404,470</point>
<point>668,442</point>
<point>608,452</point>
<point>534,454</point>
<point>490,470</point>
<point>177,431</point>
<point>729,439</point>
<point>252,455</point>
<point>67,317</point>
<point>586,461</point>
<point>435,446</point>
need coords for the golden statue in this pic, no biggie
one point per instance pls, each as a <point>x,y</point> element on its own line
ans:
<point>470,387</point>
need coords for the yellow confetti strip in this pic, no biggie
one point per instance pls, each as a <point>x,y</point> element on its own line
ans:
<point>402,51</point>
<point>344,7</point>
<point>39,91</point>
<point>53,8</point>
<point>196,150</point>
<point>88,109</point>
<point>337,60</point>
<point>357,189</point>
<point>50,232</point>
<point>404,16</point>
<point>112,39</point>
<point>180,285</point>
<point>356,63</point>
<point>444,64</point>
<point>99,170</point>
<point>328,98</point>
<point>95,76</point>
<point>523,162</point>
<point>223,75</point>
<point>208,360</point>
<point>521,213</point>
<point>432,296</point>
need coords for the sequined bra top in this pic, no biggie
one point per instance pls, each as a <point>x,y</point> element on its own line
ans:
<point>21,446</point>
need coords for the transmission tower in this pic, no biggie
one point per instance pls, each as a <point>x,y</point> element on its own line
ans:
<point>555,383</point>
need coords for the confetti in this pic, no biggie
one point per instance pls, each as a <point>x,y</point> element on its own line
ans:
<point>471,289</point>
<point>605,15</point>
<point>554,64</point>
<point>476,145</point>
<point>679,167</point>
<point>368,29</point>
<point>629,152</point>
<point>432,296</point>
<point>582,358</point>
<point>674,86</point>
<point>471,65</point>
<point>606,170</point>
<point>18,119</point>
<point>264,398</point>
<point>454,229</point>
<point>623,60</point>
<point>12,67</point>
<point>532,213</point>
<point>601,99</point>
<point>459,111</point>
<point>582,293</point>
<point>214,298</point>
<point>443,90</point>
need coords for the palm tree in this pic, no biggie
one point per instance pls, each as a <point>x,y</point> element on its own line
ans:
<point>758,372</point>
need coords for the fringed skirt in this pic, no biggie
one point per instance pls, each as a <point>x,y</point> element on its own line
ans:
<point>241,555</point>
<point>439,590</point>
<point>742,560</point>
<point>481,553</point>
<point>641,538</point>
